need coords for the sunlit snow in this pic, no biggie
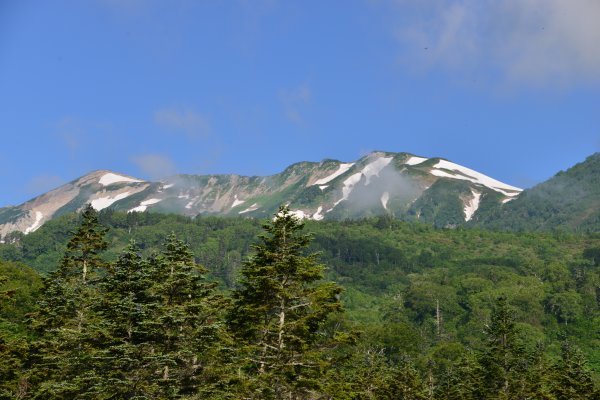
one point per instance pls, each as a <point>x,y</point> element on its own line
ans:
<point>472,205</point>
<point>103,202</point>
<point>110,178</point>
<point>370,170</point>
<point>384,199</point>
<point>318,216</point>
<point>144,205</point>
<point>323,187</point>
<point>36,224</point>
<point>237,202</point>
<point>253,207</point>
<point>348,186</point>
<point>342,169</point>
<point>414,160</point>
<point>190,203</point>
<point>468,174</point>
<point>374,168</point>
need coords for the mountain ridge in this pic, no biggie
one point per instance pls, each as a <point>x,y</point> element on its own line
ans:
<point>402,185</point>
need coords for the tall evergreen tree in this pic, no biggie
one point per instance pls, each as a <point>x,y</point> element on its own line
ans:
<point>503,360</point>
<point>185,327</point>
<point>65,318</point>
<point>572,379</point>
<point>278,309</point>
<point>126,362</point>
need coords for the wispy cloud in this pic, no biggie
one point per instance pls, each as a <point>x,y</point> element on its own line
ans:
<point>43,183</point>
<point>156,166</point>
<point>294,100</point>
<point>536,42</point>
<point>71,131</point>
<point>180,120</point>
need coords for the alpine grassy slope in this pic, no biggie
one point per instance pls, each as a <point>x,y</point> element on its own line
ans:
<point>398,184</point>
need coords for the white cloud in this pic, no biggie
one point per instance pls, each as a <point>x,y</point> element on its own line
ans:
<point>192,124</point>
<point>156,166</point>
<point>294,100</point>
<point>71,131</point>
<point>537,42</point>
<point>43,183</point>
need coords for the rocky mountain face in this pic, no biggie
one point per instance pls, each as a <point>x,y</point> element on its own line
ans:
<point>401,185</point>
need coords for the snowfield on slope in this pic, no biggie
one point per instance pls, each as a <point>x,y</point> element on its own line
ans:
<point>414,160</point>
<point>370,170</point>
<point>103,202</point>
<point>468,174</point>
<point>36,223</point>
<point>472,205</point>
<point>144,205</point>
<point>341,170</point>
<point>110,178</point>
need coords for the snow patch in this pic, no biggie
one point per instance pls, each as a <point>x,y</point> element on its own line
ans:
<point>472,205</point>
<point>323,187</point>
<point>170,185</point>
<point>414,160</point>
<point>384,199</point>
<point>103,202</point>
<point>468,174</point>
<point>374,168</point>
<point>237,202</point>
<point>341,170</point>
<point>370,170</point>
<point>507,200</point>
<point>348,186</point>
<point>253,207</point>
<point>144,205</point>
<point>110,178</point>
<point>191,203</point>
<point>318,216</point>
<point>36,223</point>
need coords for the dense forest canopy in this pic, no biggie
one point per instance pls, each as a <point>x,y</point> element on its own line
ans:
<point>424,307</point>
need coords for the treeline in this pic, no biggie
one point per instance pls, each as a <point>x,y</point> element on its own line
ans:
<point>430,317</point>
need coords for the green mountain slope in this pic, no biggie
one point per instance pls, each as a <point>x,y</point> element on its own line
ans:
<point>569,201</point>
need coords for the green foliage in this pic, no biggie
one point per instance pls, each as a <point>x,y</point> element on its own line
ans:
<point>569,202</point>
<point>278,312</point>
<point>148,322</point>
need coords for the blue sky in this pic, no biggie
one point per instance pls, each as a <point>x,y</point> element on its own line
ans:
<point>510,88</point>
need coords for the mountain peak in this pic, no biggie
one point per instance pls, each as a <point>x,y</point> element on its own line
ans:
<point>402,185</point>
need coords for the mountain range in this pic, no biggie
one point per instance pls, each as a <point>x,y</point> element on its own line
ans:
<point>400,185</point>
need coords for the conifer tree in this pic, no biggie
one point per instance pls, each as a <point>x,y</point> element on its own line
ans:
<point>185,326</point>
<point>65,318</point>
<point>572,379</point>
<point>503,360</point>
<point>13,352</point>
<point>126,360</point>
<point>278,309</point>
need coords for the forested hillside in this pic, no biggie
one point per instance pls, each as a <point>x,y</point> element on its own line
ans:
<point>419,302</point>
<point>569,201</point>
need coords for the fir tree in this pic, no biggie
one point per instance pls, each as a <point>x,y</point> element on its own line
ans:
<point>65,319</point>
<point>185,327</point>
<point>278,309</point>
<point>572,379</point>
<point>126,360</point>
<point>503,360</point>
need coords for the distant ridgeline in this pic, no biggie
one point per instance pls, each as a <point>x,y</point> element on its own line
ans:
<point>399,185</point>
